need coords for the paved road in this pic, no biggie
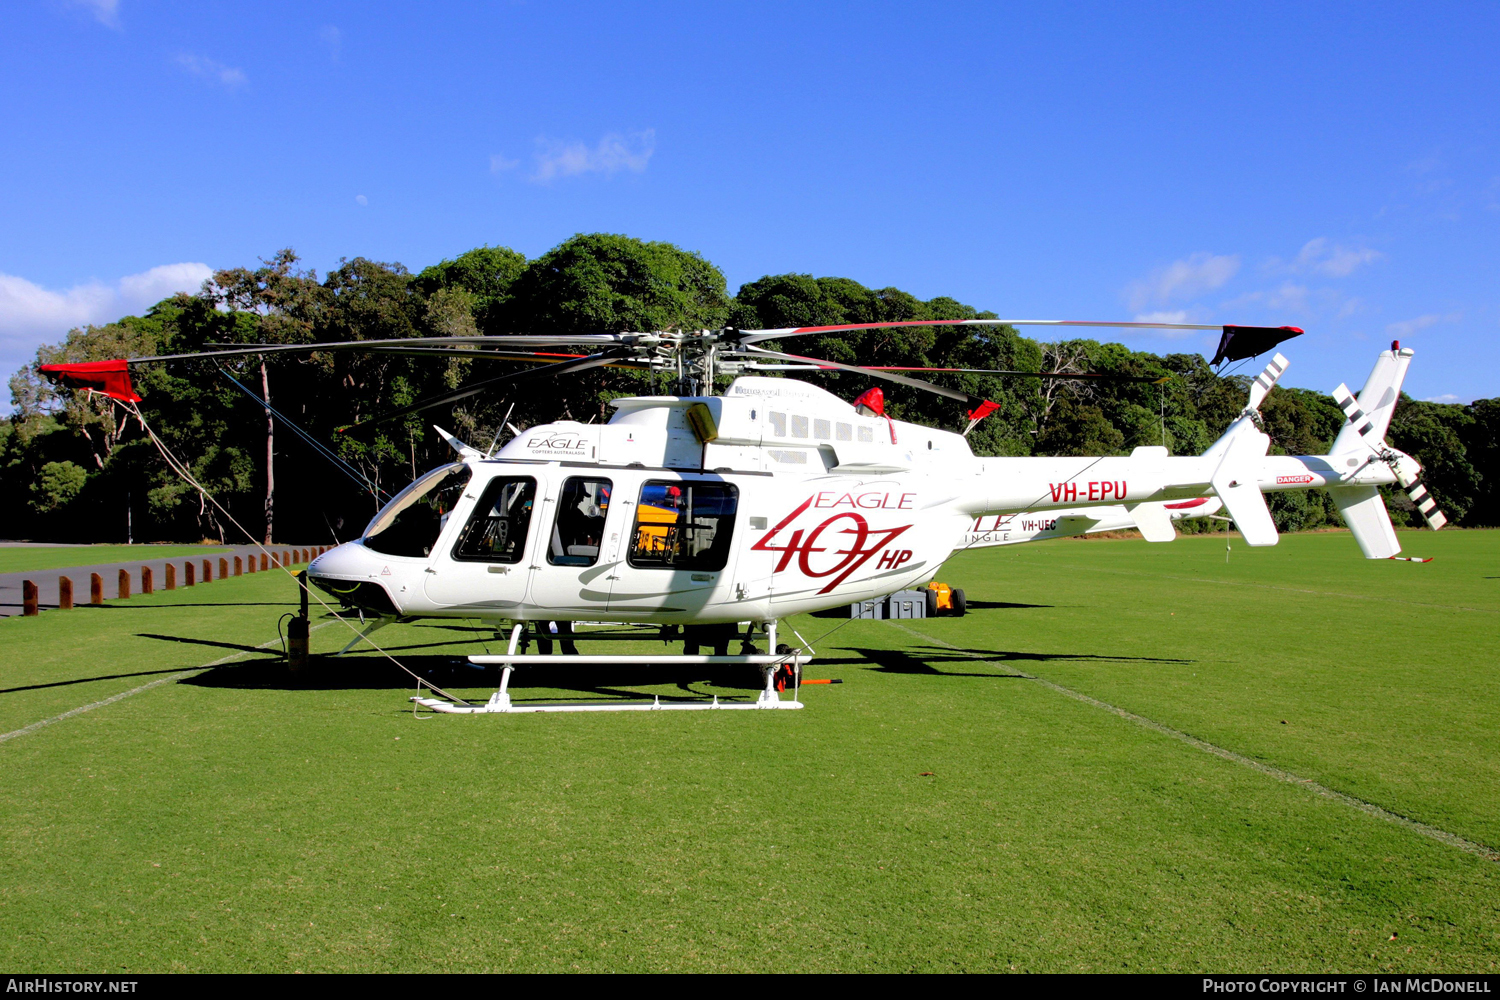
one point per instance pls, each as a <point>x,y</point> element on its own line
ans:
<point>47,579</point>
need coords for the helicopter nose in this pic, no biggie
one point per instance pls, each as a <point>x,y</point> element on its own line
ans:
<point>353,573</point>
<point>349,561</point>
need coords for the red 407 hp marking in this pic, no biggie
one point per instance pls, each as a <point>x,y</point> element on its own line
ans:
<point>863,543</point>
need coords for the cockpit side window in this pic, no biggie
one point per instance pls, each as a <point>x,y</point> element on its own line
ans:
<point>581,509</point>
<point>496,531</point>
<point>410,524</point>
<point>684,525</point>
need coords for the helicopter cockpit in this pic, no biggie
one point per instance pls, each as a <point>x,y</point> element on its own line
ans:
<point>410,524</point>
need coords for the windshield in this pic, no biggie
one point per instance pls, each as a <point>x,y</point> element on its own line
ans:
<point>410,524</point>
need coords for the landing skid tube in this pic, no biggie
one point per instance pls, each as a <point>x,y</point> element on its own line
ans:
<point>500,701</point>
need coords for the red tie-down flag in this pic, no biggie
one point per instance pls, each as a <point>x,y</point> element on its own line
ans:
<point>112,378</point>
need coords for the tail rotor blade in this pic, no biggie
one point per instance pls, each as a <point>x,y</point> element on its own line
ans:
<point>1356,417</point>
<point>1408,470</point>
<point>1266,381</point>
<point>1409,475</point>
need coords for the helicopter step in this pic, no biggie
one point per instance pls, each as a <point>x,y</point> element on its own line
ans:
<point>638,660</point>
<point>500,701</point>
<point>504,705</point>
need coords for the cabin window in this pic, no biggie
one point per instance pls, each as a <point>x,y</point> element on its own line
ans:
<point>778,423</point>
<point>410,524</point>
<point>799,426</point>
<point>684,525</point>
<point>821,430</point>
<point>845,431</point>
<point>497,529</point>
<point>866,435</point>
<point>581,509</point>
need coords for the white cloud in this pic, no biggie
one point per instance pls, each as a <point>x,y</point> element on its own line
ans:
<point>137,291</point>
<point>106,12</point>
<point>31,315</point>
<point>1289,296</point>
<point>1407,327</point>
<point>1168,316</point>
<point>614,153</point>
<point>360,199</point>
<point>1318,256</point>
<point>332,37</point>
<point>214,72</point>
<point>1183,279</point>
<point>1446,397</point>
<point>1175,316</point>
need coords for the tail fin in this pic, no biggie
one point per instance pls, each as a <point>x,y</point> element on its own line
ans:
<point>1376,402</point>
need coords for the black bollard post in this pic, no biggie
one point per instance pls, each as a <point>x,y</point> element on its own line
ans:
<point>298,630</point>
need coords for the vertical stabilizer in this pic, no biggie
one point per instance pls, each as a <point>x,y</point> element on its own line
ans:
<point>1376,402</point>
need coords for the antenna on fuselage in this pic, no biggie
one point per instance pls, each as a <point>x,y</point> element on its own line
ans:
<point>504,423</point>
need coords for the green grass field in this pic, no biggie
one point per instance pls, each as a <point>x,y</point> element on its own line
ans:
<point>952,806</point>
<point>19,559</point>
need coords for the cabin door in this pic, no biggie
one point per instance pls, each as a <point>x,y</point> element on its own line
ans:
<point>487,569</point>
<point>677,547</point>
<point>570,574</point>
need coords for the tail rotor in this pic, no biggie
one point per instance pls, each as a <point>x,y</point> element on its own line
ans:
<point>1369,428</point>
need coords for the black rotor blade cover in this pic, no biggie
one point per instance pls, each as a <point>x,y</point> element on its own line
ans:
<point>1241,342</point>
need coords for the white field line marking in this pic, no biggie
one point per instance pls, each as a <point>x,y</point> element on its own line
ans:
<point>1416,826</point>
<point>190,672</point>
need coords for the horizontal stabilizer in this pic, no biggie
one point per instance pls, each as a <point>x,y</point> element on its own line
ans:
<point>1363,511</point>
<point>1237,483</point>
<point>1153,522</point>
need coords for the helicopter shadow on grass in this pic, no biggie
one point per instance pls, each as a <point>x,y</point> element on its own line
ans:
<point>366,672</point>
<point>922,659</point>
<point>268,671</point>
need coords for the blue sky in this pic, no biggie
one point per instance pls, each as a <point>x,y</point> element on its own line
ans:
<point>1329,166</point>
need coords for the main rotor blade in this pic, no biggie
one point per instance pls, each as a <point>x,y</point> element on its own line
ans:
<point>502,340</point>
<point>755,336</point>
<point>535,357</point>
<point>964,397</point>
<point>1102,376</point>
<point>474,388</point>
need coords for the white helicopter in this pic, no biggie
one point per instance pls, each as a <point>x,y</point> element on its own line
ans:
<point>721,515</point>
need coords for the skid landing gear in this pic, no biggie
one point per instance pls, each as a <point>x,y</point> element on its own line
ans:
<point>779,671</point>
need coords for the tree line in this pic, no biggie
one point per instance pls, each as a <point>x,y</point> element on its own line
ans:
<point>76,468</point>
